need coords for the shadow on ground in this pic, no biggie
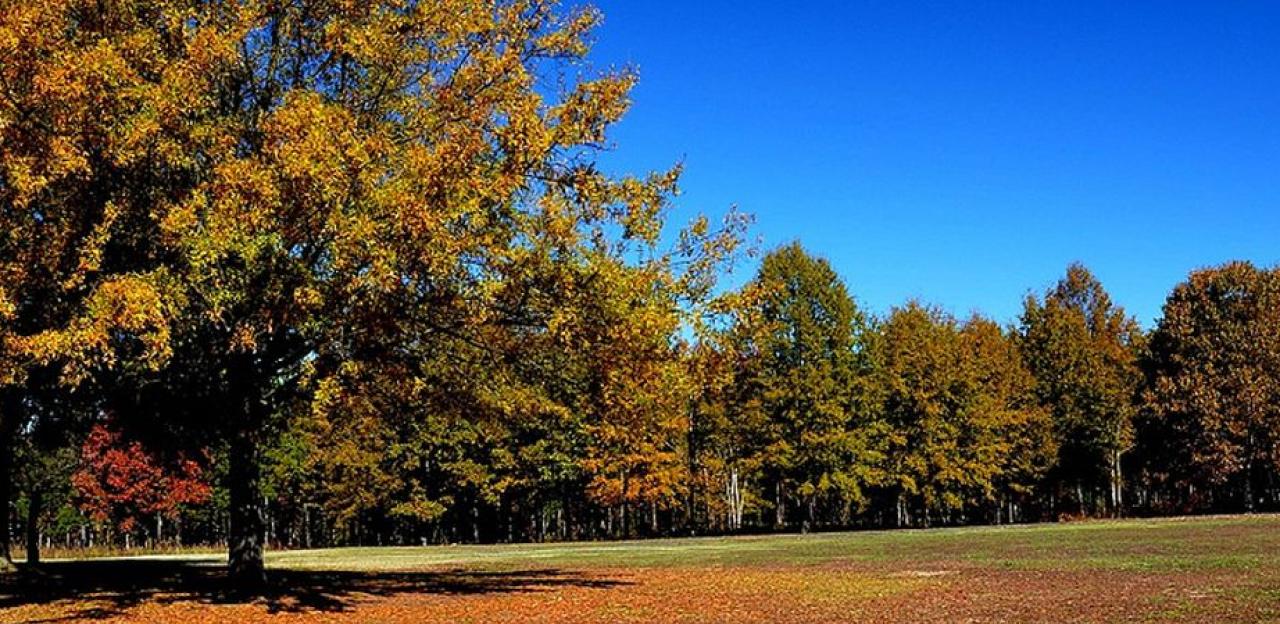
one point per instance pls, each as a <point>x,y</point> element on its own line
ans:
<point>107,588</point>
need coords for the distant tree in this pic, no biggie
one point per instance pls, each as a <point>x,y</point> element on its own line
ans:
<point>800,346</point>
<point>636,399</point>
<point>965,434</point>
<point>920,386</point>
<point>1083,351</point>
<point>1215,382</point>
<point>1015,431</point>
<point>43,478</point>
<point>121,482</point>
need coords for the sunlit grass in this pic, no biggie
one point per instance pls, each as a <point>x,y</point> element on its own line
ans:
<point>1138,545</point>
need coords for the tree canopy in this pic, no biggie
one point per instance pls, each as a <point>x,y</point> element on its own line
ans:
<point>317,272</point>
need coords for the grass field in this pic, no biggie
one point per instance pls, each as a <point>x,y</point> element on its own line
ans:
<point>1221,569</point>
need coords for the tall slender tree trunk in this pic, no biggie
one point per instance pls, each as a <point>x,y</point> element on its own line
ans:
<point>475,522</point>
<point>8,427</point>
<point>306,525</point>
<point>626,506</point>
<point>810,514</point>
<point>247,527</point>
<point>34,504</point>
<point>6,496</point>
<point>693,521</point>
<point>780,506</point>
<point>1117,485</point>
<point>1248,483</point>
<point>734,494</point>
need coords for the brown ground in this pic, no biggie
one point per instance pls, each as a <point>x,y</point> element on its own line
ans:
<point>726,594</point>
<point>947,587</point>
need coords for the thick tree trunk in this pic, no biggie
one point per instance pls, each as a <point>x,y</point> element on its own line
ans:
<point>247,528</point>
<point>34,503</point>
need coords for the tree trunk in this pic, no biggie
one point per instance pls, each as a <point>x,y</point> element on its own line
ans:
<point>810,513</point>
<point>734,494</point>
<point>1117,485</point>
<point>6,467</point>
<point>8,424</point>
<point>306,525</point>
<point>34,503</point>
<point>1248,485</point>
<point>626,506</point>
<point>779,509</point>
<point>247,527</point>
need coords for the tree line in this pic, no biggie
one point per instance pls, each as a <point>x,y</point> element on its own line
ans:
<point>314,273</point>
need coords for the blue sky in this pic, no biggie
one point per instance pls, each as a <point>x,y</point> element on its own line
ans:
<point>964,153</point>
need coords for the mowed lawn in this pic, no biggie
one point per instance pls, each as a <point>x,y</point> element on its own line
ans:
<point>1220,569</point>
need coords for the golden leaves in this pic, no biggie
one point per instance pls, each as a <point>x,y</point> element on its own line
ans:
<point>127,305</point>
<point>403,180</point>
<point>593,106</point>
<point>570,39</point>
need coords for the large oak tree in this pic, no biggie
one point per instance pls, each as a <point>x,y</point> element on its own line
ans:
<point>317,182</point>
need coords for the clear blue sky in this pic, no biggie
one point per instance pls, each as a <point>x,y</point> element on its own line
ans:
<point>964,152</point>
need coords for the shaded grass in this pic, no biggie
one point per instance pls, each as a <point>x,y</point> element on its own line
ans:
<point>102,588</point>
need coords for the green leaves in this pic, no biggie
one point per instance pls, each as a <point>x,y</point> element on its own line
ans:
<point>1084,353</point>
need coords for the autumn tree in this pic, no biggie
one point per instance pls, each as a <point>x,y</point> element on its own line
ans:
<point>315,168</point>
<point>920,386</point>
<point>800,349</point>
<point>636,400</point>
<point>965,433</point>
<point>1083,351</point>
<point>722,453</point>
<point>1214,387</point>
<point>122,482</point>
<point>1013,430</point>
<point>75,298</point>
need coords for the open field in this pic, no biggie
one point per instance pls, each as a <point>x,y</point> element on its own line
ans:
<point>1222,569</point>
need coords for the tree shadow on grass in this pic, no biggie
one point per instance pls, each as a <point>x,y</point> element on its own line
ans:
<point>106,588</point>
